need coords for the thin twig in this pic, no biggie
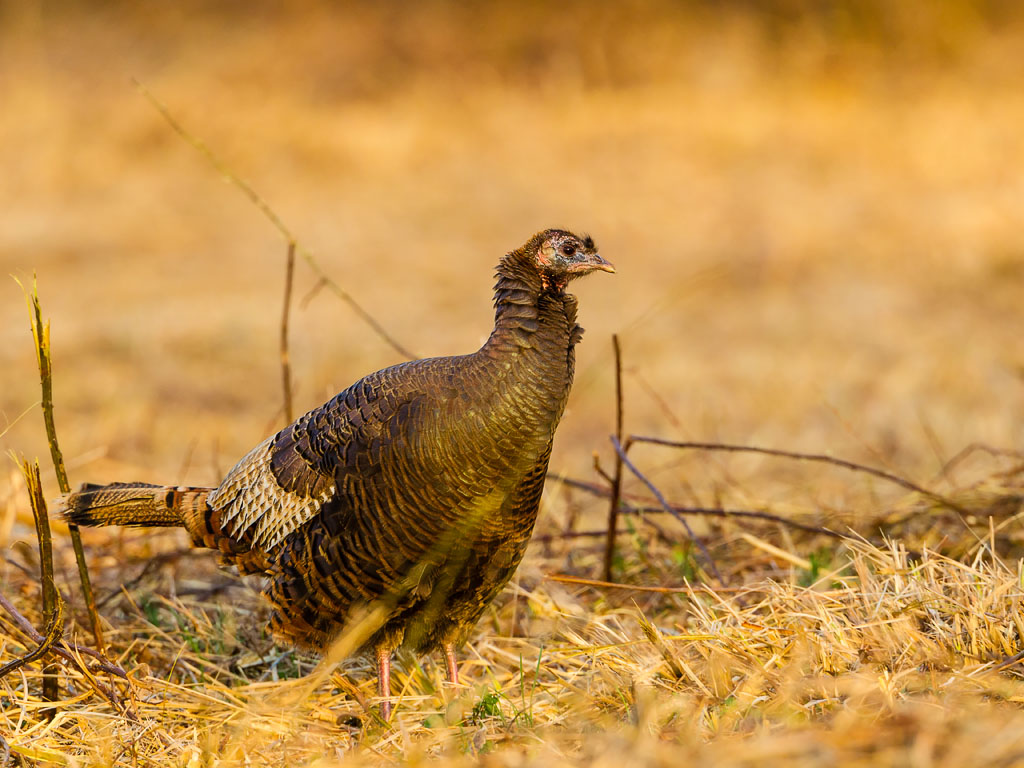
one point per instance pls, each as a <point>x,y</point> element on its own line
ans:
<point>41,336</point>
<point>583,485</point>
<point>613,505</point>
<point>274,219</point>
<point>598,584</point>
<point>668,508</point>
<point>600,471</point>
<point>107,693</point>
<point>63,649</point>
<point>71,652</point>
<point>1009,661</point>
<point>550,537</point>
<point>54,627</point>
<point>819,457</point>
<point>318,286</point>
<point>628,508</point>
<point>966,451</point>
<point>742,513</point>
<point>286,370</point>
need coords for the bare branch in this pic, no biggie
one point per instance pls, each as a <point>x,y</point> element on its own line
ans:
<point>63,648</point>
<point>54,627</point>
<point>550,537</point>
<point>818,457</point>
<point>628,508</point>
<point>668,508</point>
<point>970,449</point>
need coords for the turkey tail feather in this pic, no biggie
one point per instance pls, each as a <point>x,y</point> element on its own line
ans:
<point>139,504</point>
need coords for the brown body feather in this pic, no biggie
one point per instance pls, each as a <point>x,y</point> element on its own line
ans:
<point>416,488</point>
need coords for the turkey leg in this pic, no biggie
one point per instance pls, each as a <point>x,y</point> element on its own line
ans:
<point>452,663</point>
<point>384,682</point>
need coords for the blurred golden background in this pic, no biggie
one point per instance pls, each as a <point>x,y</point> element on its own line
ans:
<point>815,209</point>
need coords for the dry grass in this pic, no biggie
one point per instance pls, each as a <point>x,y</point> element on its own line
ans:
<point>869,657</point>
<point>816,221</point>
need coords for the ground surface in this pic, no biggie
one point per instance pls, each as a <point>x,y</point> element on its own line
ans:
<point>816,221</point>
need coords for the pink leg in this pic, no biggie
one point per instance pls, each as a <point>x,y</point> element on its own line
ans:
<point>452,663</point>
<point>384,682</point>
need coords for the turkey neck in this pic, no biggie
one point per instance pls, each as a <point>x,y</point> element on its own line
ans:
<point>532,343</point>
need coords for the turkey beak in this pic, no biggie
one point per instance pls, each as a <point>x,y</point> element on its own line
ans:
<point>592,262</point>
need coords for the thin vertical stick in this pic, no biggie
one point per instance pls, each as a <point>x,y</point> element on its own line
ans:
<point>613,509</point>
<point>51,609</point>
<point>286,369</point>
<point>41,335</point>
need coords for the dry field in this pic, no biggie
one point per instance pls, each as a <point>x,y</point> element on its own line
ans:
<point>817,221</point>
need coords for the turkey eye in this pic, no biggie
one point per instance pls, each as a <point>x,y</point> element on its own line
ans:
<point>569,250</point>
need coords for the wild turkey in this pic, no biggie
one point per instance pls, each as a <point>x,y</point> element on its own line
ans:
<point>413,493</point>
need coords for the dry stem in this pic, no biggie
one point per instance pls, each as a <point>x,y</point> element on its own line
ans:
<point>286,371</point>
<point>613,505</point>
<point>41,335</point>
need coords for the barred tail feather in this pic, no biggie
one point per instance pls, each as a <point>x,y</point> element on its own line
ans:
<point>142,504</point>
<point>137,504</point>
